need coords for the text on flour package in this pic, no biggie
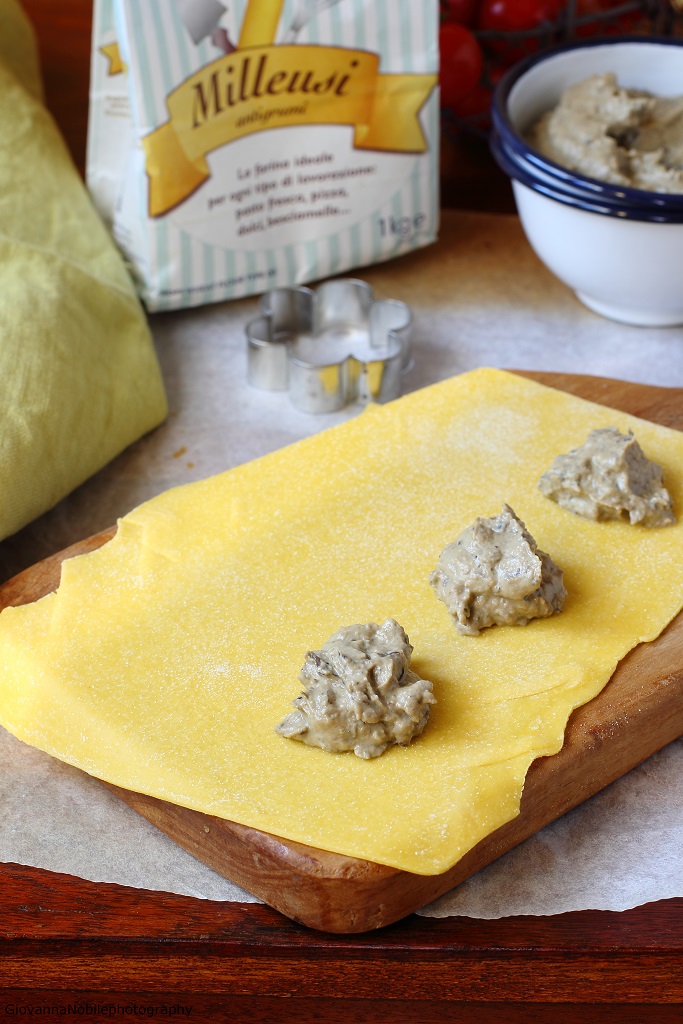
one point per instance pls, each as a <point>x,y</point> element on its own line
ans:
<point>241,146</point>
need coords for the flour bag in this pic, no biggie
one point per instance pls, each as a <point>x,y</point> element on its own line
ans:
<point>240,146</point>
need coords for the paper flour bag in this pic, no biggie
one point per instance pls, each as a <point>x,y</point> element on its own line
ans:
<point>240,146</point>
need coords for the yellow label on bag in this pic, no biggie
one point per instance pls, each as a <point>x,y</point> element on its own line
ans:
<point>260,22</point>
<point>274,87</point>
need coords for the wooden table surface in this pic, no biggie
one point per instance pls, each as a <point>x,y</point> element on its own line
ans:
<point>74,948</point>
<point>239,962</point>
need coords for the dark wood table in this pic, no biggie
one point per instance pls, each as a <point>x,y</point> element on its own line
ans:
<point>76,949</point>
<point>67,941</point>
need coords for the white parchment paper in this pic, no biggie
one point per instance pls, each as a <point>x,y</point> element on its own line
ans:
<point>479,297</point>
<point>616,851</point>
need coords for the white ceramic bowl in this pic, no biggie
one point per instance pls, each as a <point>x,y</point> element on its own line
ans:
<point>627,270</point>
<point>619,249</point>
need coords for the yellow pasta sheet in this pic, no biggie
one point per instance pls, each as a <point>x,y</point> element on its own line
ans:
<point>167,657</point>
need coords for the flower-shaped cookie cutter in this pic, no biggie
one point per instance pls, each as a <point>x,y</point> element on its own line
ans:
<point>331,346</point>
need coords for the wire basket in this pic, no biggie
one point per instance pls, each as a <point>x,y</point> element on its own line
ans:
<point>501,49</point>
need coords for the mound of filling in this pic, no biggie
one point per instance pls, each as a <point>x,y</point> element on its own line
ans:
<point>609,477</point>
<point>494,575</point>
<point>359,693</point>
<point>623,136</point>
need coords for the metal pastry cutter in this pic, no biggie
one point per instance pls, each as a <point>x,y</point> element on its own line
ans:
<point>330,347</point>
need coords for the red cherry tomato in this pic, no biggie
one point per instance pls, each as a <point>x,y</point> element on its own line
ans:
<point>597,24</point>
<point>462,11</point>
<point>475,106</point>
<point>461,62</point>
<point>516,16</point>
<point>494,73</point>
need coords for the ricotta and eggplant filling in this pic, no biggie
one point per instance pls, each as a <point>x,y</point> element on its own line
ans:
<point>609,477</point>
<point>623,136</point>
<point>494,575</point>
<point>360,693</point>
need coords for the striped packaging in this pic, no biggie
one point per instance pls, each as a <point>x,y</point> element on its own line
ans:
<point>240,146</point>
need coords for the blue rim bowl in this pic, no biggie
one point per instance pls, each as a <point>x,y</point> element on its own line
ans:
<point>522,162</point>
<point>588,202</point>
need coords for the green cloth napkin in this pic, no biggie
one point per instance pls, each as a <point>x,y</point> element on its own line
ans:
<point>79,378</point>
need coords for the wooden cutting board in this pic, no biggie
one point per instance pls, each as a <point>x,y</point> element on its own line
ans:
<point>638,712</point>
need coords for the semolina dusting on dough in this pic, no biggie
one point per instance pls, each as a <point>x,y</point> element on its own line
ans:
<point>107,673</point>
<point>359,693</point>
<point>609,477</point>
<point>494,575</point>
